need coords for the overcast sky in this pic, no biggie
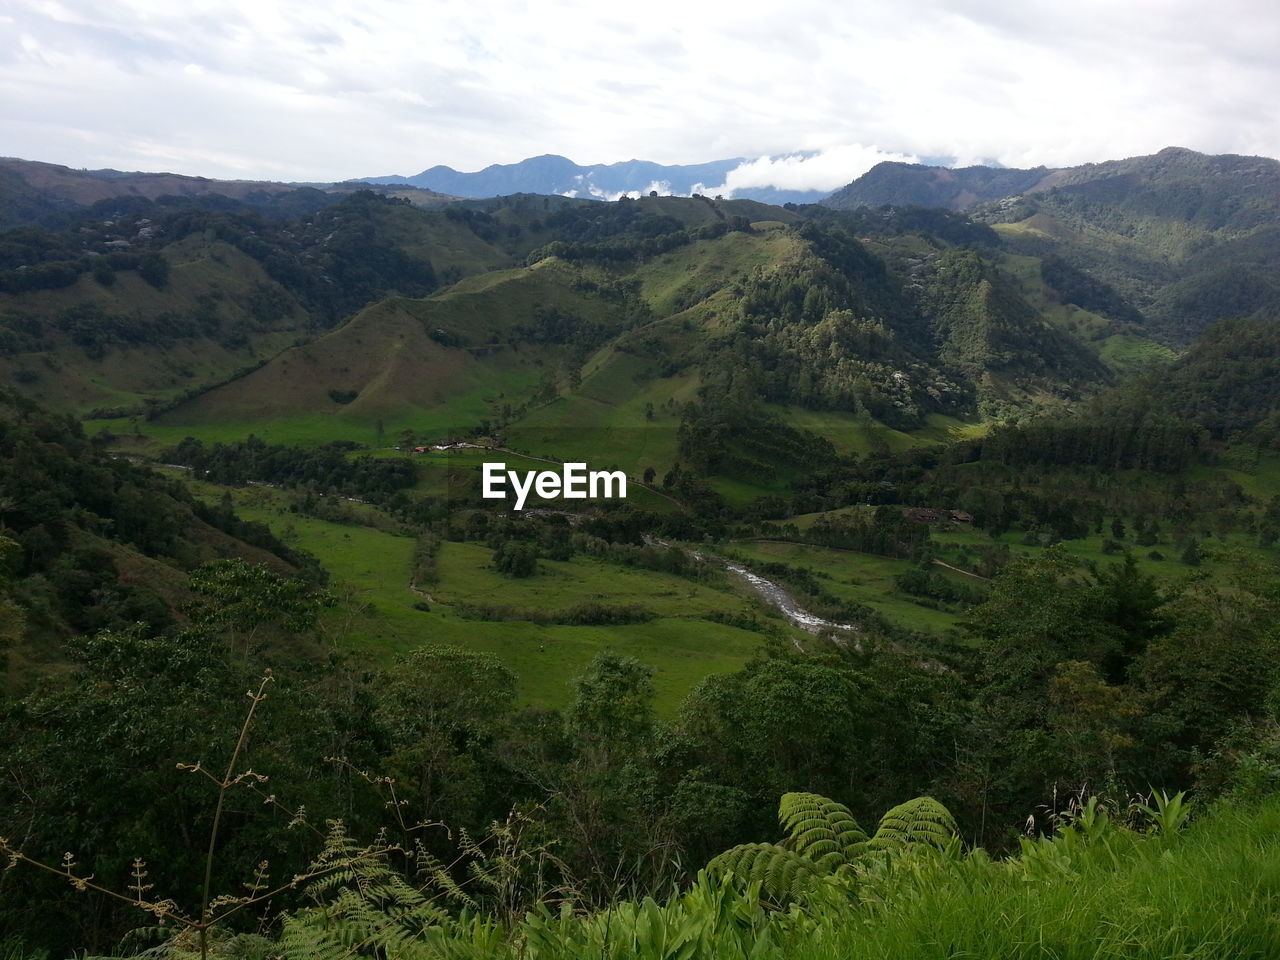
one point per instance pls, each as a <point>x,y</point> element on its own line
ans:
<point>324,90</point>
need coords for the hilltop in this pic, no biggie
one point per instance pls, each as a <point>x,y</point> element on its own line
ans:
<point>1174,240</point>
<point>35,192</point>
<point>921,185</point>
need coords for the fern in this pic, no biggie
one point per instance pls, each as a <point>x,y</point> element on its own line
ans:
<point>824,839</point>
<point>820,829</point>
<point>920,821</point>
<point>781,873</point>
<point>364,908</point>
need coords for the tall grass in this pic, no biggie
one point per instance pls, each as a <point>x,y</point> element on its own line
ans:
<point>1211,891</point>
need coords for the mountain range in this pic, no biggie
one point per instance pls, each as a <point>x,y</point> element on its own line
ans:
<point>263,303</point>
<point>551,174</point>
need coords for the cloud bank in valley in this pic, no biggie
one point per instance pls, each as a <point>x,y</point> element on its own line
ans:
<point>820,170</point>
<point>339,88</point>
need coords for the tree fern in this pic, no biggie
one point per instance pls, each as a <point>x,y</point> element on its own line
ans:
<point>823,838</point>
<point>920,821</point>
<point>780,872</point>
<point>820,829</point>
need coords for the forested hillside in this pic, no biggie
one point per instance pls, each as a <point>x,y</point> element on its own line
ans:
<point>94,542</point>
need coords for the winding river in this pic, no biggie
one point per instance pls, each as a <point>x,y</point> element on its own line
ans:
<point>771,592</point>
<point>779,597</point>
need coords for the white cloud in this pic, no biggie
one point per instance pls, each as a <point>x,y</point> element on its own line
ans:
<point>333,89</point>
<point>824,170</point>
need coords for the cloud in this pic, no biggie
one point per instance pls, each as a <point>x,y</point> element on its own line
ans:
<point>824,170</point>
<point>337,88</point>
<point>661,187</point>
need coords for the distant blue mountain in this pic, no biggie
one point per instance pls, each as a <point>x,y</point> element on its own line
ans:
<point>551,174</point>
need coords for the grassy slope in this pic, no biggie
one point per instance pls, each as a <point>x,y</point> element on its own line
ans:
<point>69,379</point>
<point>606,419</point>
<point>1210,891</point>
<point>954,538</point>
<point>1125,353</point>
<point>402,376</point>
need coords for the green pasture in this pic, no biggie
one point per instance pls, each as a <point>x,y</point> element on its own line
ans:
<point>376,618</point>
<point>1129,354</point>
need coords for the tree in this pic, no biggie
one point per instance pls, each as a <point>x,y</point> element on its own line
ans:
<point>1191,555</point>
<point>516,558</point>
<point>443,711</point>
<point>600,776</point>
<point>240,599</point>
<point>784,722</point>
<point>91,766</point>
<point>154,269</point>
<point>1218,660</point>
<point>612,710</point>
<point>1091,722</point>
<point>1042,613</point>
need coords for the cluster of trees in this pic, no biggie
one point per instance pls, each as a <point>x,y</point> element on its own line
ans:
<point>1073,285</point>
<point>886,532</point>
<point>59,274</point>
<point>735,438</point>
<point>928,582</point>
<point>624,232</point>
<point>619,536</point>
<point>933,224</point>
<point>984,323</point>
<point>1135,437</point>
<point>327,468</point>
<point>839,362</point>
<point>334,261</point>
<point>1228,383</point>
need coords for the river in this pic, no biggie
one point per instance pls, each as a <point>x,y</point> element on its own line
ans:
<point>772,593</point>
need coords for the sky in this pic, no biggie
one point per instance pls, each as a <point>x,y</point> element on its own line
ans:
<point>812,93</point>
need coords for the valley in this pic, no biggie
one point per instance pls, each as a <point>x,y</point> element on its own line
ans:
<point>971,501</point>
<point>744,365</point>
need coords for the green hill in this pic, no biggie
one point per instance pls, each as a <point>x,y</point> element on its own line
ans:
<point>1175,240</point>
<point>598,348</point>
<point>437,366</point>
<point>91,542</point>
<point>1229,381</point>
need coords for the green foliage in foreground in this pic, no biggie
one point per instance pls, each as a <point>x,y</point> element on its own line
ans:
<point>823,839</point>
<point>1096,888</point>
